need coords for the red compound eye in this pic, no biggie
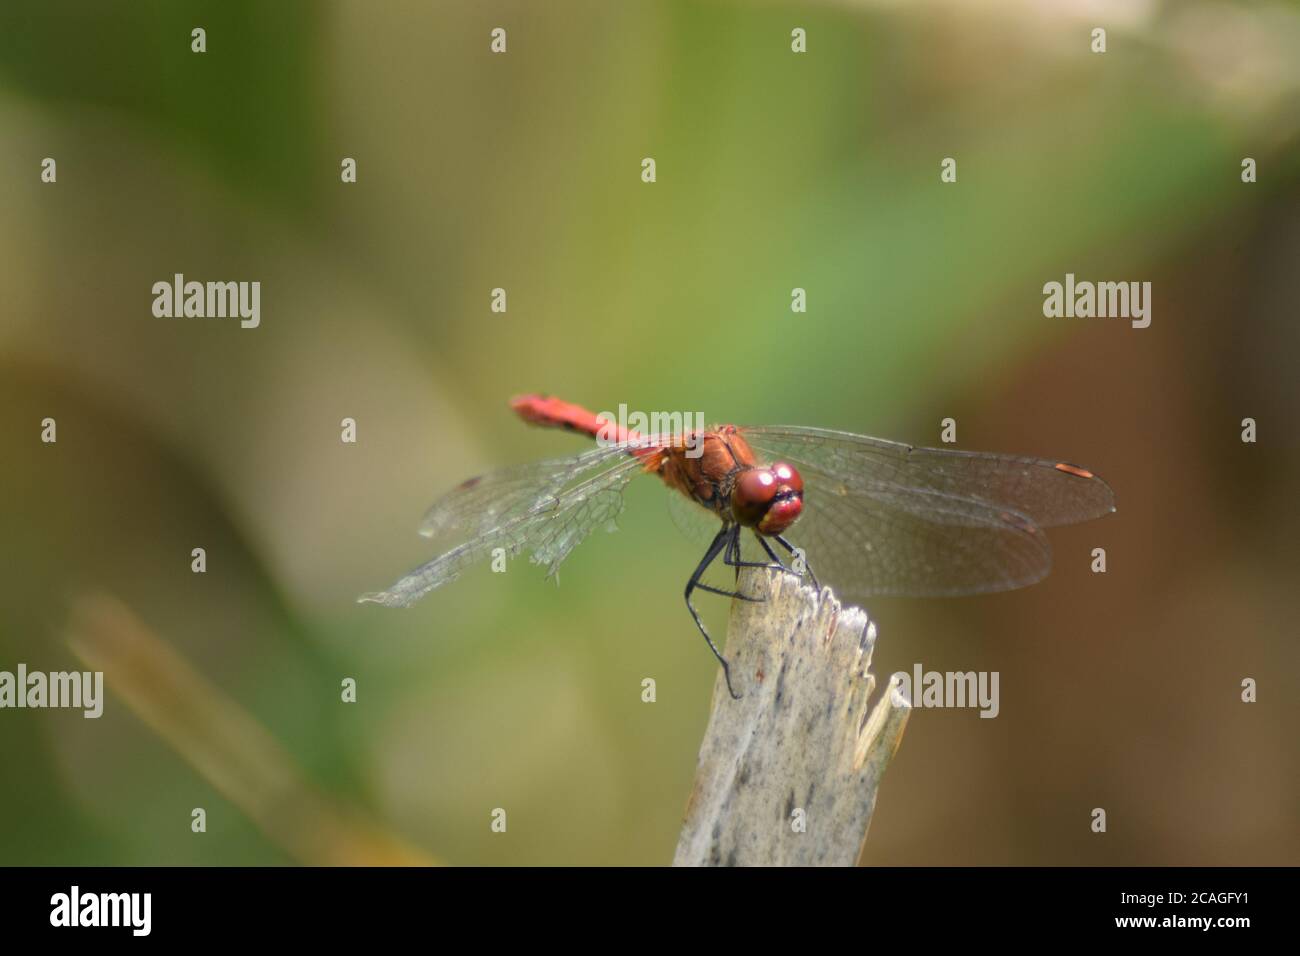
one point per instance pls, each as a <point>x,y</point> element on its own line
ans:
<point>754,492</point>
<point>789,476</point>
<point>781,515</point>
<point>768,499</point>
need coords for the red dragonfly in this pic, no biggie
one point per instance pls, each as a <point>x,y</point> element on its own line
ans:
<point>876,517</point>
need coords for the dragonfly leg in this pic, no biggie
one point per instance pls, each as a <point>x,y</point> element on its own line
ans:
<point>729,555</point>
<point>768,548</point>
<point>730,594</point>
<point>719,543</point>
<point>732,557</point>
<point>807,567</point>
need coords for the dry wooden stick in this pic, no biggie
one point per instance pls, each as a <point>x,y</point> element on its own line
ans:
<point>788,774</point>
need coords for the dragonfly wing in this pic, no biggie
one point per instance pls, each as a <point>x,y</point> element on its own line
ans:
<point>1050,492</point>
<point>696,523</point>
<point>488,501</point>
<point>549,527</point>
<point>865,544</point>
<point>881,518</point>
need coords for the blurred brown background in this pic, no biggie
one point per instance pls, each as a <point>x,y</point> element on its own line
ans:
<point>522,171</point>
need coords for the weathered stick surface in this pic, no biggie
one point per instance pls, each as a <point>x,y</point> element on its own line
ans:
<point>788,774</point>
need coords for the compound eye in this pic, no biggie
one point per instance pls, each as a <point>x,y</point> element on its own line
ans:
<point>757,485</point>
<point>755,489</point>
<point>788,476</point>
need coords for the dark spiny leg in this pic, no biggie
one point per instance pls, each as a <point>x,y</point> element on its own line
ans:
<point>733,556</point>
<point>729,558</point>
<point>719,542</point>
<point>729,555</point>
<point>730,594</point>
<point>807,567</point>
<point>768,548</point>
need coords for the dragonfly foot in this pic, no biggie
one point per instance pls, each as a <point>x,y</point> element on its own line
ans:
<point>726,675</point>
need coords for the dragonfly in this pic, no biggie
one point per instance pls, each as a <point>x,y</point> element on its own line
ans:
<point>875,517</point>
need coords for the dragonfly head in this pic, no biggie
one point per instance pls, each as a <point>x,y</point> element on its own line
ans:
<point>768,499</point>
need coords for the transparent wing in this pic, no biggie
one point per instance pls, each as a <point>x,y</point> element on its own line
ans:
<point>867,544</point>
<point>886,518</point>
<point>546,508</point>
<point>696,523</point>
<point>1050,492</point>
<point>487,501</point>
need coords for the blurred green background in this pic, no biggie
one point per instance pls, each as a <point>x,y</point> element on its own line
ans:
<point>522,171</point>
